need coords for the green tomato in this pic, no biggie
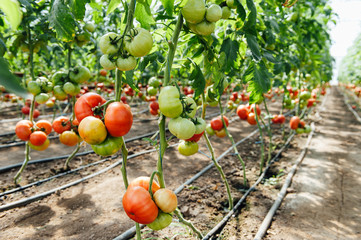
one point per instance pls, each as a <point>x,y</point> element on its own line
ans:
<point>307,129</point>
<point>182,128</point>
<point>294,17</point>
<point>110,146</point>
<point>152,91</point>
<point>191,107</point>
<point>59,93</point>
<point>109,43</point>
<point>154,82</point>
<point>34,88</point>
<point>71,88</point>
<point>126,64</point>
<point>163,220</point>
<point>205,28</point>
<point>210,130</point>
<point>42,98</point>
<point>169,103</point>
<point>89,27</point>
<point>106,63</point>
<point>200,125</point>
<point>213,104</point>
<point>213,13</point>
<point>226,12</point>
<point>194,11</point>
<point>290,106</point>
<point>188,148</point>
<point>230,4</point>
<point>192,27</point>
<point>80,74</point>
<point>300,130</point>
<point>59,78</point>
<point>305,95</point>
<point>139,43</point>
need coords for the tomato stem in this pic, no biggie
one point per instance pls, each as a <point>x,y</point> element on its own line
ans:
<point>262,143</point>
<point>26,160</point>
<point>269,131</point>
<point>150,189</point>
<point>76,150</point>
<point>187,223</point>
<point>31,51</point>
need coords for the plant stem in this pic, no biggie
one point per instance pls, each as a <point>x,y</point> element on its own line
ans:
<point>31,54</point>
<point>269,131</point>
<point>262,144</point>
<point>233,144</point>
<point>189,224</point>
<point>76,150</point>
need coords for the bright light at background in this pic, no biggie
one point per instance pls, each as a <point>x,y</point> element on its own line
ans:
<point>347,29</point>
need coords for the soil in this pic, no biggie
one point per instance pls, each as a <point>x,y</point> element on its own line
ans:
<point>93,209</point>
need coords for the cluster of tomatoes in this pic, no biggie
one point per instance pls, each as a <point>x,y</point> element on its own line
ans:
<point>183,124</point>
<point>69,83</point>
<point>101,123</point>
<point>121,52</point>
<point>246,112</point>
<point>36,134</point>
<point>142,207</point>
<point>236,98</point>
<point>26,109</point>
<point>299,125</point>
<point>68,130</point>
<point>216,127</point>
<point>201,19</point>
<point>40,88</point>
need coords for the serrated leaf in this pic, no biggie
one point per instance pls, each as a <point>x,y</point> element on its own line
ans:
<point>26,4</point>
<point>10,81</point>
<point>230,48</point>
<point>268,55</point>
<point>112,6</point>
<point>12,11</point>
<point>258,79</point>
<point>78,8</point>
<point>199,83</point>
<point>62,21</point>
<point>253,45</point>
<point>252,16</point>
<point>144,15</point>
<point>168,6</point>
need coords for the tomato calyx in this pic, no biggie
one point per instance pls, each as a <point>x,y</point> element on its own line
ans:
<point>100,109</point>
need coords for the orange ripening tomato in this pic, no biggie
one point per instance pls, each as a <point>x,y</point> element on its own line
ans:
<point>144,183</point>
<point>221,133</point>
<point>42,147</point>
<point>217,124</point>
<point>295,120</point>
<point>44,126</point>
<point>69,138</point>
<point>251,119</point>
<point>23,129</point>
<point>118,119</point>
<point>86,106</point>
<point>38,138</point>
<point>301,124</point>
<point>139,206</point>
<point>61,124</point>
<point>281,119</point>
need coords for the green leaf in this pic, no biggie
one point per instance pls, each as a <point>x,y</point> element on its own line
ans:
<point>2,48</point>
<point>12,11</point>
<point>230,48</point>
<point>253,45</point>
<point>168,6</point>
<point>112,6</point>
<point>144,15</point>
<point>62,21</point>
<point>268,55</point>
<point>252,17</point>
<point>258,79</point>
<point>240,10</point>
<point>129,79</point>
<point>199,83</point>
<point>78,8</point>
<point>10,81</point>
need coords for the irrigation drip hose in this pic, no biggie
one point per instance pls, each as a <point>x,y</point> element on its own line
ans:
<point>350,108</point>
<point>234,212</point>
<point>31,199</point>
<point>268,219</point>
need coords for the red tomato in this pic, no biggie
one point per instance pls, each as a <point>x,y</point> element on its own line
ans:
<point>217,124</point>
<point>281,119</point>
<point>139,206</point>
<point>301,124</point>
<point>294,122</point>
<point>129,91</point>
<point>144,183</point>
<point>85,105</point>
<point>257,109</point>
<point>310,102</point>
<point>154,112</point>
<point>61,124</point>
<point>242,112</point>
<point>118,119</point>
<point>36,113</point>
<point>195,138</point>
<point>38,138</point>
<point>251,119</point>
<point>103,72</point>
<point>124,99</point>
<point>23,129</point>
<point>42,147</point>
<point>154,105</point>
<point>25,110</point>
<point>44,126</point>
<point>275,119</point>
